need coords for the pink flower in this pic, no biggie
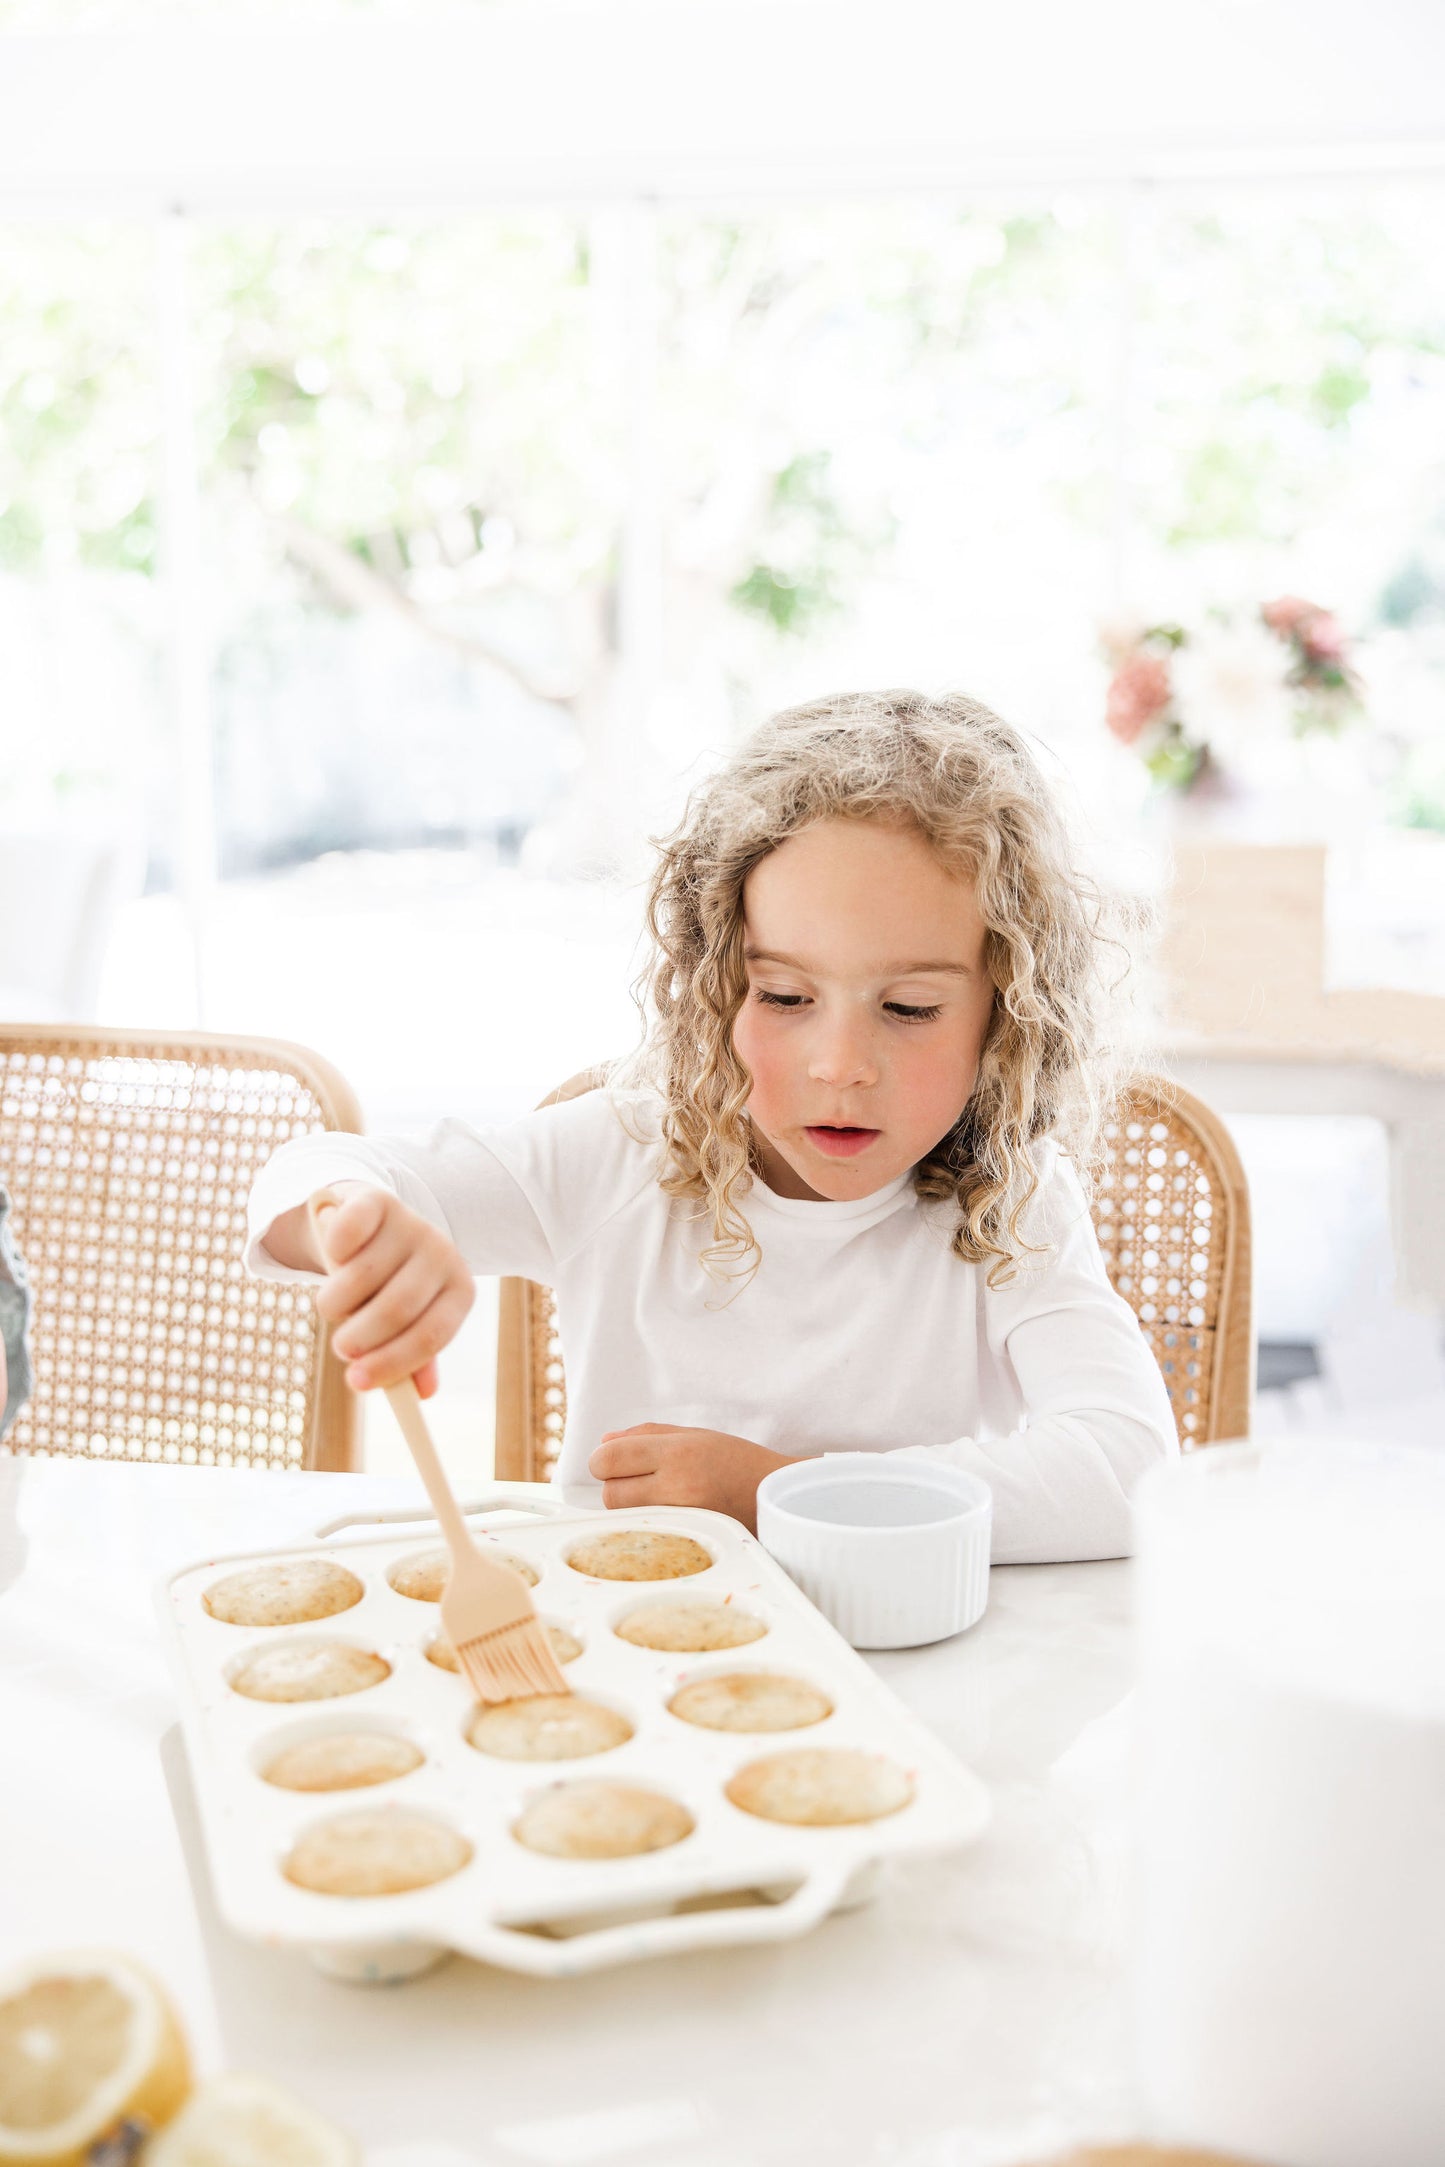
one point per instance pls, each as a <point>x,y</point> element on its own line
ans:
<point>1288,613</point>
<point>1139,692</point>
<point>1322,639</point>
<point>1314,630</point>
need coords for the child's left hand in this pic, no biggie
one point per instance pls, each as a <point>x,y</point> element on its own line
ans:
<point>655,1464</point>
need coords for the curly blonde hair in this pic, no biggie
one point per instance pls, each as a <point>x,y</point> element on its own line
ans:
<point>966,782</point>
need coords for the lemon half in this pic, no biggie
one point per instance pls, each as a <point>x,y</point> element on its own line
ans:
<point>241,2121</point>
<point>87,2041</point>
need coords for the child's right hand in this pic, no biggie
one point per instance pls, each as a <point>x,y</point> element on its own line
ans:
<point>396,1288</point>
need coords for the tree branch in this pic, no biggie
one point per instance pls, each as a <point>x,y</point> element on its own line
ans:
<point>355,585</point>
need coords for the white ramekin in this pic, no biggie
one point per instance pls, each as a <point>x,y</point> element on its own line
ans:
<point>901,1557</point>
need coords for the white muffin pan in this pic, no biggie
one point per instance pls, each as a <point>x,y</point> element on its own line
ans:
<point>509,1905</point>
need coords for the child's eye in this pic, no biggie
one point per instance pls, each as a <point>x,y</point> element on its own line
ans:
<point>900,1009</point>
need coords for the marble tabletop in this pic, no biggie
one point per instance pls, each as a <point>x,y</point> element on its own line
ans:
<point>972,2015</point>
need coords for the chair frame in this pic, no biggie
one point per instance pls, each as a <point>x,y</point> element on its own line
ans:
<point>528,1395</point>
<point>334,1431</point>
<point>1231,1382</point>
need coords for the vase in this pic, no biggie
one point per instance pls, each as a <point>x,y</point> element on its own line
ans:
<point>1243,937</point>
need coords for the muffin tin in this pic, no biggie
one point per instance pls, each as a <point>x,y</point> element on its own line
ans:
<point>741,1878</point>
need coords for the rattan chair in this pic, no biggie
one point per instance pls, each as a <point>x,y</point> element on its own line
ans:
<point>128,1157</point>
<point>1171,1209</point>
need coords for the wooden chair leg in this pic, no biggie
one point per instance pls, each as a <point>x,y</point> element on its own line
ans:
<point>514,1450</point>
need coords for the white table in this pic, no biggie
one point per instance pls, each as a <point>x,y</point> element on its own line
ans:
<point>972,2015</point>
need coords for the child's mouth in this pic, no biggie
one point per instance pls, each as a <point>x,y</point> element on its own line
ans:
<point>841,1143</point>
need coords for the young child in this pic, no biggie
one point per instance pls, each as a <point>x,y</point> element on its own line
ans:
<point>832,1204</point>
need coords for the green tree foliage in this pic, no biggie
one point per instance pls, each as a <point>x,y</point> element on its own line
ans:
<point>79,400</point>
<point>431,418</point>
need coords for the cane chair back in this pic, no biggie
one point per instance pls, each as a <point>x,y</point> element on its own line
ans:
<point>1171,1210</point>
<point>128,1157</point>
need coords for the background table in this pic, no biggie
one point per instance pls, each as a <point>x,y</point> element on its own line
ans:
<point>971,2015</point>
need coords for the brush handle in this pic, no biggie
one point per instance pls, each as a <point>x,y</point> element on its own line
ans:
<point>406,1406</point>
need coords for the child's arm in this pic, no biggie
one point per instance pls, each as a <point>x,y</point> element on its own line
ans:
<point>455,1183</point>
<point>1097,1414</point>
<point>420,1219</point>
<point>397,1288</point>
<point>654,1463</point>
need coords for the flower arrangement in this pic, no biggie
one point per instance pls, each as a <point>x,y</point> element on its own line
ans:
<point>1194,702</point>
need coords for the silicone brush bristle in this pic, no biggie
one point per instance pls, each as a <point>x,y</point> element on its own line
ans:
<point>514,1663</point>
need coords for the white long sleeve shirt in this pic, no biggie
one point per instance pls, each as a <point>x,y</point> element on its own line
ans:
<point>859,1331</point>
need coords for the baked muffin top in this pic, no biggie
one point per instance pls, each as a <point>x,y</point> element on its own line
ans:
<point>695,1628</point>
<point>750,1700</point>
<point>423,1576</point>
<point>290,1591</point>
<point>342,1761</point>
<point>307,1670</point>
<point>547,1727</point>
<point>820,1787</point>
<point>637,1553</point>
<point>601,1821</point>
<point>380,1853</point>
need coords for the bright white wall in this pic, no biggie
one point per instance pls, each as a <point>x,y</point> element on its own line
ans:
<point>566,98</point>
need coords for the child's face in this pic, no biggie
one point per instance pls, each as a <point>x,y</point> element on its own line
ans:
<point>866,1009</point>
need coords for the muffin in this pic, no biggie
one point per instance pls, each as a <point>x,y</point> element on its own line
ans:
<point>423,1575</point>
<point>564,1644</point>
<point>601,1821</point>
<point>548,1727</point>
<point>637,1553</point>
<point>375,1854</point>
<point>819,1788</point>
<point>307,1670</point>
<point>342,1761</point>
<point>292,1591</point>
<point>750,1700</point>
<point>690,1628</point>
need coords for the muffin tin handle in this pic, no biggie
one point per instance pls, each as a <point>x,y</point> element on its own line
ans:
<point>669,1935</point>
<point>501,1497</point>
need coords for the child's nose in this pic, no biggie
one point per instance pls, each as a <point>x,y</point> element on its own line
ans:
<point>843,1057</point>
